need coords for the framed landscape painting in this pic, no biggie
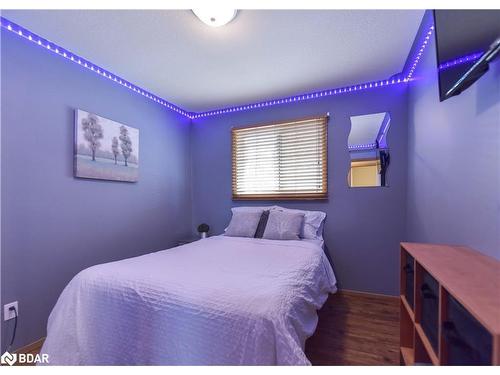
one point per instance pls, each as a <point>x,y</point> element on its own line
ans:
<point>105,149</point>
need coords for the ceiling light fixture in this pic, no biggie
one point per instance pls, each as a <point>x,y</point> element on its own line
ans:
<point>215,17</point>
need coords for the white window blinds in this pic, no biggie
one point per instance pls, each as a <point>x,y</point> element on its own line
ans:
<point>286,160</point>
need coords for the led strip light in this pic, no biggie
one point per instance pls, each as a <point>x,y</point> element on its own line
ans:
<point>50,46</point>
<point>303,97</point>
<point>342,90</point>
<point>60,51</point>
<point>461,60</point>
<point>367,146</point>
<point>420,52</point>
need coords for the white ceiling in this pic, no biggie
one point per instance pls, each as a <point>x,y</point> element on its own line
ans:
<point>261,54</point>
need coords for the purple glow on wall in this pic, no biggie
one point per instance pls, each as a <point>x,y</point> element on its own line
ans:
<point>70,56</point>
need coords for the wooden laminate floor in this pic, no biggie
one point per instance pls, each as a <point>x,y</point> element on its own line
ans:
<point>353,329</point>
<point>356,329</point>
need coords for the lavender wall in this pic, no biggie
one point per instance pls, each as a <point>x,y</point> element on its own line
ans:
<point>54,225</point>
<point>364,226</point>
<point>454,161</point>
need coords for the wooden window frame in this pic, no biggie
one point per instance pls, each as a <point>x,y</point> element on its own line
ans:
<point>283,197</point>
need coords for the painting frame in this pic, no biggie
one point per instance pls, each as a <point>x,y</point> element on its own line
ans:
<point>104,149</point>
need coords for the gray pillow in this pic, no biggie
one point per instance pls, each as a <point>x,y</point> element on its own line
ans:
<point>243,224</point>
<point>283,225</point>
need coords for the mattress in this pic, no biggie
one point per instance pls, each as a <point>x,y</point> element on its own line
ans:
<point>217,301</point>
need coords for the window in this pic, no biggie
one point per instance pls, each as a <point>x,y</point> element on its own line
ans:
<point>286,160</point>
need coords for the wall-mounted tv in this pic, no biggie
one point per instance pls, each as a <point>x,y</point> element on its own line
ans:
<point>470,35</point>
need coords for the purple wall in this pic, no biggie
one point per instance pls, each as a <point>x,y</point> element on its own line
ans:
<point>54,225</point>
<point>364,226</point>
<point>454,161</point>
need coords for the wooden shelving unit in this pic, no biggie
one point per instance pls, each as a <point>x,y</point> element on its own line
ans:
<point>471,281</point>
<point>407,356</point>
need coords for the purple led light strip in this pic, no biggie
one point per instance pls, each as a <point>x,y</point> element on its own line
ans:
<point>60,51</point>
<point>46,44</point>
<point>303,97</point>
<point>461,60</point>
<point>421,50</point>
<point>367,146</point>
<point>337,91</point>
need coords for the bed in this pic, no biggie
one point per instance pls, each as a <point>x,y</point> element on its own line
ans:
<point>217,301</point>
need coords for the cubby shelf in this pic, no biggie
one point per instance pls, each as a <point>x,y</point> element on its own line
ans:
<point>407,356</point>
<point>427,344</point>
<point>432,276</point>
<point>406,305</point>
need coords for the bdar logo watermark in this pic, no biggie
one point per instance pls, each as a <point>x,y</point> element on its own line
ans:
<point>8,358</point>
<point>23,358</point>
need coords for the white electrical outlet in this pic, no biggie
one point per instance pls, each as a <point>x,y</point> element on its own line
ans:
<point>7,314</point>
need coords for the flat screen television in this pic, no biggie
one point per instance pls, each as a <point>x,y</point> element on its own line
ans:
<point>470,35</point>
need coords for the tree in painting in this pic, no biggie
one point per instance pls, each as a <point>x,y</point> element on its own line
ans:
<point>126,143</point>
<point>114,148</point>
<point>92,133</point>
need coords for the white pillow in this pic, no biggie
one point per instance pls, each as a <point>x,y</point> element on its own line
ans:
<point>313,220</point>
<point>243,224</point>
<point>283,225</point>
<point>250,209</point>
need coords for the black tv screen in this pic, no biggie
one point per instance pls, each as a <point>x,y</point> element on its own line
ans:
<point>465,34</point>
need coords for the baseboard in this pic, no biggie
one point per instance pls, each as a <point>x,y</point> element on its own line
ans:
<point>349,291</point>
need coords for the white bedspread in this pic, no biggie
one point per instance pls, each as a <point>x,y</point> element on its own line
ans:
<point>217,301</point>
